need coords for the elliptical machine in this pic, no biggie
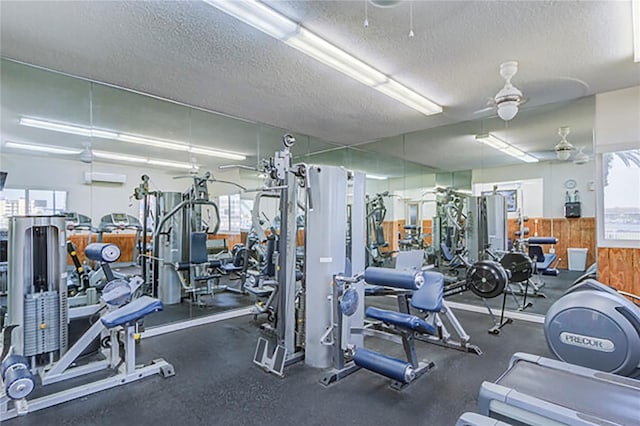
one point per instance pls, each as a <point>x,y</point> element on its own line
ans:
<point>596,326</point>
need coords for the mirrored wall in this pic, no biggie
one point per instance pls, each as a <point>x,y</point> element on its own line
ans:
<point>81,148</point>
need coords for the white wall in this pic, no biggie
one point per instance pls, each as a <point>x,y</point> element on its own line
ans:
<point>97,199</point>
<point>553,175</point>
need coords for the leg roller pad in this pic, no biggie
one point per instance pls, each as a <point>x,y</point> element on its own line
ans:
<point>385,365</point>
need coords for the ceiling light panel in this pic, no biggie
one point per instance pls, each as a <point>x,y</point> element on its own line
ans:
<point>505,147</point>
<point>376,177</point>
<point>272,23</point>
<point>42,148</point>
<point>124,137</point>
<point>258,16</point>
<point>325,52</point>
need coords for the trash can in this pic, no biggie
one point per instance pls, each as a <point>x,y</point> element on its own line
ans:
<point>577,258</point>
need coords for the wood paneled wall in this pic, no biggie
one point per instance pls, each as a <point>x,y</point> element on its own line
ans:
<point>620,268</point>
<point>574,233</point>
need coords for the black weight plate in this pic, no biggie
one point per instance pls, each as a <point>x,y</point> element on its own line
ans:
<point>487,279</point>
<point>520,266</point>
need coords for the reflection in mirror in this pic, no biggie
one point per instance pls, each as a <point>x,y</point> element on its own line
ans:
<point>545,199</point>
<point>157,179</point>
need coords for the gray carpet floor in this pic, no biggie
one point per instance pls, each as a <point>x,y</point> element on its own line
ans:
<point>217,384</point>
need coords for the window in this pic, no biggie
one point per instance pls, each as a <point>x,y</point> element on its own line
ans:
<point>230,217</point>
<point>246,210</point>
<point>18,202</point>
<point>621,195</point>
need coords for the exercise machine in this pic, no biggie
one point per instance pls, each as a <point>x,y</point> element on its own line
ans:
<point>541,391</point>
<point>401,326</point>
<point>596,326</point>
<point>177,264</point>
<point>302,311</point>
<point>37,350</point>
<point>122,224</point>
<point>376,212</point>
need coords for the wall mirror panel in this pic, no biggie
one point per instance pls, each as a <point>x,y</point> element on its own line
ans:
<point>93,152</point>
<point>549,196</point>
<point>94,144</point>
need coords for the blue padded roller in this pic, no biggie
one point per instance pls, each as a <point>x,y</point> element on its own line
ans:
<point>542,240</point>
<point>410,280</point>
<point>382,364</point>
<point>102,252</point>
<point>429,297</point>
<point>131,312</point>
<point>399,319</point>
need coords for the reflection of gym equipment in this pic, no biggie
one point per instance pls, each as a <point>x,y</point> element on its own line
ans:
<point>526,264</point>
<point>179,262</point>
<point>413,239</point>
<point>596,326</point>
<point>540,391</point>
<point>4,236</point>
<point>77,222</point>
<point>36,347</point>
<point>375,215</point>
<point>122,223</point>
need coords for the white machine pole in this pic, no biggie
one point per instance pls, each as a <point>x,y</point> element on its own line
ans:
<point>357,256</point>
<point>325,256</point>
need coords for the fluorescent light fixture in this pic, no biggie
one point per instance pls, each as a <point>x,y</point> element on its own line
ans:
<point>141,160</point>
<point>103,134</point>
<point>257,15</point>
<point>156,143</point>
<point>56,127</point>
<point>216,153</point>
<point>504,146</point>
<point>274,24</point>
<point>408,97</point>
<point>174,164</point>
<point>635,15</point>
<point>124,137</point>
<point>42,148</point>
<point>119,157</point>
<point>376,177</point>
<point>325,52</point>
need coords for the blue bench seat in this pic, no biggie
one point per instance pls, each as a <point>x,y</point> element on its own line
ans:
<point>399,319</point>
<point>133,311</point>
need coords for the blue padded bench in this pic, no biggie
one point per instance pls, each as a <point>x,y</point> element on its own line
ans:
<point>130,312</point>
<point>427,296</point>
<point>399,319</point>
<point>543,260</point>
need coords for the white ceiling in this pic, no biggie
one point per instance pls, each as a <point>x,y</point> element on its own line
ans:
<point>193,53</point>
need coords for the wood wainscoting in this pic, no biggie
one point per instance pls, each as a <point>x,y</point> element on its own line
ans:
<point>620,268</point>
<point>574,233</point>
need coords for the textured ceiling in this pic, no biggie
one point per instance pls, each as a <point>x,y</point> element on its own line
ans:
<point>193,53</point>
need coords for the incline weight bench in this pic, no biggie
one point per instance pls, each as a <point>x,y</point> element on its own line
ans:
<point>117,325</point>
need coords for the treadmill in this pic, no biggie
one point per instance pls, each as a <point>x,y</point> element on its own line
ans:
<point>541,391</point>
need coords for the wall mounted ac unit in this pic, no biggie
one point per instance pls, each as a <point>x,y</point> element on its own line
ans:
<point>90,177</point>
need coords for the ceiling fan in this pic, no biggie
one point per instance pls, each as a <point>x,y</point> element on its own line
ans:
<point>564,148</point>
<point>508,100</point>
<point>86,156</point>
